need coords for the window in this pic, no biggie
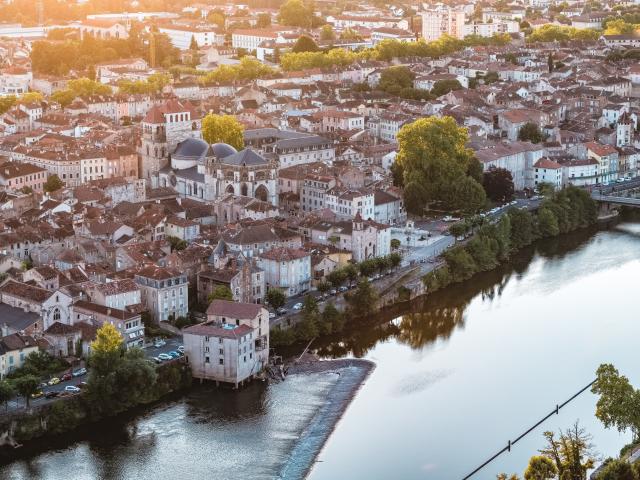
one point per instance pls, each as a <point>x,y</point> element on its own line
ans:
<point>206,360</point>
<point>206,349</point>
<point>221,362</point>
<point>221,351</point>
<point>206,339</point>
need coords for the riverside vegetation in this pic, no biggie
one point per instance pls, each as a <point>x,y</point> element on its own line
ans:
<point>492,243</point>
<point>118,380</point>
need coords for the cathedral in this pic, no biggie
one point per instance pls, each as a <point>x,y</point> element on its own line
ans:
<point>173,154</point>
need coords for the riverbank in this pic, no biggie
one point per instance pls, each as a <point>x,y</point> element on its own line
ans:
<point>352,373</point>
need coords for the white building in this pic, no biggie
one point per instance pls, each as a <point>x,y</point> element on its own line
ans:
<point>288,269</point>
<point>444,21</point>
<point>346,203</point>
<point>14,349</point>
<point>250,39</point>
<point>232,345</point>
<point>549,172</point>
<point>490,29</point>
<point>181,36</point>
<point>164,292</point>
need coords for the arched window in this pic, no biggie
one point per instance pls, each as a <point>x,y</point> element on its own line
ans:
<point>56,315</point>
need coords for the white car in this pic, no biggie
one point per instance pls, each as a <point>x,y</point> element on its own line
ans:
<point>272,315</point>
<point>165,356</point>
<point>297,306</point>
<point>160,343</point>
<point>72,389</point>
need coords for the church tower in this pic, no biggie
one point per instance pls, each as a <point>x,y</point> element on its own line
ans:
<point>624,131</point>
<point>153,148</point>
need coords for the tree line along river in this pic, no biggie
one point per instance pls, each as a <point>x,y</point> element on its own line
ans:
<point>457,375</point>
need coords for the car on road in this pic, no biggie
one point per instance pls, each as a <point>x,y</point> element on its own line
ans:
<point>333,291</point>
<point>174,354</point>
<point>181,348</point>
<point>72,389</point>
<point>156,359</point>
<point>80,372</point>
<point>43,385</point>
<point>272,315</point>
<point>51,394</point>
<point>37,394</point>
<point>65,377</point>
<point>54,381</point>
<point>160,343</point>
<point>164,357</point>
<point>343,288</point>
<point>298,306</point>
<point>281,311</point>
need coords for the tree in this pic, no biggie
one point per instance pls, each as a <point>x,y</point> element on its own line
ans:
<point>6,103</point>
<point>324,287</point>
<point>64,97</point>
<point>530,132</point>
<point>7,392</point>
<point>436,161</point>
<point>26,385</point>
<point>349,34</point>
<point>572,452</point>
<point>224,129</point>
<point>327,34</point>
<point>393,79</point>
<point>275,297</point>
<point>53,183</point>
<point>296,13</point>
<point>108,340</point>
<point>619,402</point>
<point>337,277</point>
<point>305,44</point>
<point>547,223</point>
<point>540,468</point>
<point>31,97</point>
<point>176,243</point>
<point>498,184</point>
<point>442,87</point>
<point>521,228</point>
<point>362,300</point>
<point>395,244</point>
<point>308,327</point>
<point>394,260</point>
<point>263,20</point>
<point>461,264</point>
<point>332,320</point>
<point>350,272</point>
<point>618,470</point>
<point>221,292</point>
<point>87,87</point>
<point>217,18</point>
<point>458,229</point>
<point>193,45</point>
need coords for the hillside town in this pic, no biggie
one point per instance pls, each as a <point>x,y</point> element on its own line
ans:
<point>205,179</point>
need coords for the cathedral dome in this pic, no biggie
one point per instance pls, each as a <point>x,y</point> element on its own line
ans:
<point>222,150</point>
<point>188,153</point>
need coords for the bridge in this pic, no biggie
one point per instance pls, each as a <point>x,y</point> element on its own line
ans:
<point>616,200</point>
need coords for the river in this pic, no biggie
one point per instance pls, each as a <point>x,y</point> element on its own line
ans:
<point>456,377</point>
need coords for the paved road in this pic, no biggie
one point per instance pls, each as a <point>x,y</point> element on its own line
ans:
<point>19,402</point>
<point>172,344</point>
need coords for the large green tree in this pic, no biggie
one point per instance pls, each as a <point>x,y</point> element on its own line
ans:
<point>221,292</point>
<point>530,132</point>
<point>498,184</point>
<point>275,297</point>
<point>362,301</point>
<point>7,392</point>
<point>305,44</point>
<point>571,452</point>
<point>296,13</point>
<point>26,385</point>
<point>540,468</point>
<point>223,128</point>
<point>619,402</point>
<point>436,163</point>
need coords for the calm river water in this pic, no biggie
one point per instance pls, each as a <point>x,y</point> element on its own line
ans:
<point>457,377</point>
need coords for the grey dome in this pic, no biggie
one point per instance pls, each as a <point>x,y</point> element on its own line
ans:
<point>191,148</point>
<point>222,150</point>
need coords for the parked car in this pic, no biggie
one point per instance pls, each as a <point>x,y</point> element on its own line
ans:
<point>157,359</point>
<point>173,354</point>
<point>72,389</point>
<point>80,372</point>
<point>281,311</point>
<point>164,356</point>
<point>272,315</point>
<point>51,394</point>
<point>65,377</point>
<point>54,381</point>
<point>159,343</point>
<point>343,288</point>
<point>43,385</point>
<point>37,394</point>
<point>298,306</point>
<point>333,291</point>
<point>181,348</point>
